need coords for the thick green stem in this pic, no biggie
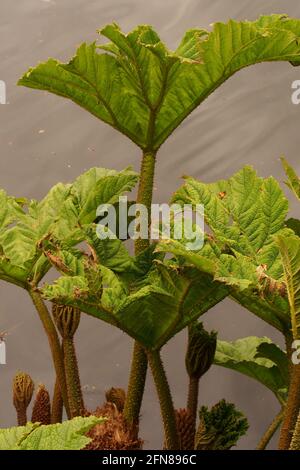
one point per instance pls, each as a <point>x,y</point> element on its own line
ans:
<point>145,193</point>
<point>72,378</point>
<point>54,343</point>
<point>136,387</point>
<point>138,371</point>
<point>269,433</point>
<point>165,401</point>
<point>192,401</point>
<point>57,405</point>
<point>291,410</point>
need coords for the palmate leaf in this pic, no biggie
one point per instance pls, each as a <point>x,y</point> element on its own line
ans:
<point>243,284</point>
<point>151,307</point>
<point>257,358</point>
<point>140,87</point>
<point>151,314</point>
<point>179,296</point>
<point>69,435</point>
<point>90,190</point>
<point>240,275</point>
<point>290,255</point>
<point>19,242</point>
<point>60,214</point>
<point>245,213</point>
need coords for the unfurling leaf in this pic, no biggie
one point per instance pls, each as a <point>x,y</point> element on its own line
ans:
<point>220,428</point>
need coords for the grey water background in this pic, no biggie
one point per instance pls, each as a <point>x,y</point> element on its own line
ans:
<point>44,139</point>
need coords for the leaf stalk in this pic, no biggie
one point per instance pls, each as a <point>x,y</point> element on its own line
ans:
<point>54,343</point>
<point>139,363</point>
<point>165,401</point>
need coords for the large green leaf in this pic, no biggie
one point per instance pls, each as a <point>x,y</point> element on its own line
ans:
<point>60,214</point>
<point>144,90</point>
<point>245,213</point>
<point>251,356</point>
<point>290,254</point>
<point>96,187</point>
<point>176,296</point>
<point>19,241</point>
<point>69,435</point>
<point>150,314</point>
<point>263,298</point>
<point>151,305</point>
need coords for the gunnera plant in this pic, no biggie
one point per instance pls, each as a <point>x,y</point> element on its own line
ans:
<point>258,258</point>
<point>138,86</point>
<point>23,224</point>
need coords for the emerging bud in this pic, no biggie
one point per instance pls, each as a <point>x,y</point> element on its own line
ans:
<point>66,318</point>
<point>23,387</point>
<point>41,412</point>
<point>116,396</point>
<point>200,351</point>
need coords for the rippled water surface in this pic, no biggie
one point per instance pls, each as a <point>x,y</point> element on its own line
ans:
<point>250,120</point>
